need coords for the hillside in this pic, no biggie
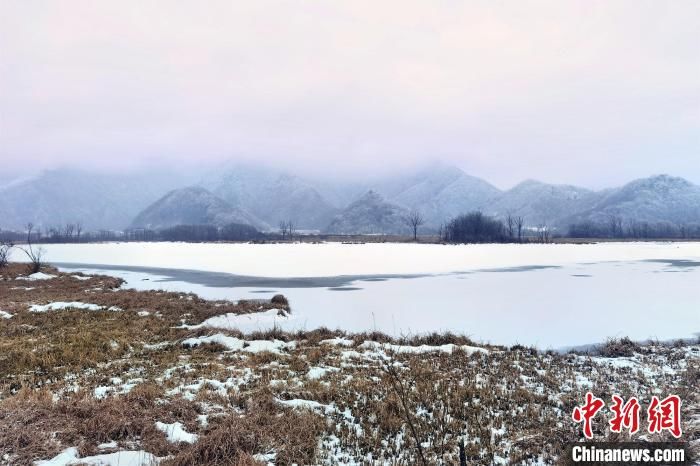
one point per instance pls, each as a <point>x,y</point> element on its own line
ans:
<point>660,198</point>
<point>370,214</point>
<point>441,192</point>
<point>273,195</point>
<point>264,197</point>
<point>98,201</point>
<point>192,206</point>
<point>542,203</point>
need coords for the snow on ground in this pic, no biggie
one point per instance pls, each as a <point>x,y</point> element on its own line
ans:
<point>448,348</point>
<point>59,306</point>
<point>268,458</point>
<point>308,404</point>
<point>236,344</point>
<point>117,387</point>
<point>338,341</point>
<point>107,445</point>
<point>318,372</point>
<point>37,276</point>
<point>333,259</point>
<point>5,315</point>
<point>70,456</point>
<point>248,322</point>
<point>176,432</point>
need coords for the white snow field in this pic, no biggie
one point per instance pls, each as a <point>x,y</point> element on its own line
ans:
<point>331,259</point>
<point>550,296</point>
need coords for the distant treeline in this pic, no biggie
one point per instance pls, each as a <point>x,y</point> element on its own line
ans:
<point>197,233</point>
<point>476,227</point>
<point>472,227</point>
<point>616,227</point>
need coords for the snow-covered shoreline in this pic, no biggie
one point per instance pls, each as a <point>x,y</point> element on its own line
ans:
<point>334,259</point>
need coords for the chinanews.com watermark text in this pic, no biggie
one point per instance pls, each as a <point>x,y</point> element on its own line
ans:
<point>661,415</point>
<point>631,453</point>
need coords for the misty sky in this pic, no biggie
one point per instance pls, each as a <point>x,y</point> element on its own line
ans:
<point>589,92</point>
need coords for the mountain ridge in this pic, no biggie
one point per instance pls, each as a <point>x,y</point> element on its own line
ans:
<point>265,197</point>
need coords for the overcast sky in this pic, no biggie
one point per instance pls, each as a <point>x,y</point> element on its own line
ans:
<point>591,92</point>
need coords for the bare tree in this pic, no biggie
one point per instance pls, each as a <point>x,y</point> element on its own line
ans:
<point>68,231</point>
<point>544,234</point>
<point>510,225</point>
<point>291,229</point>
<point>283,228</point>
<point>615,226</point>
<point>78,230</point>
<point>35,255</point>
<point>5,249</point>
<point>414,219</point>
<point>519,223</point>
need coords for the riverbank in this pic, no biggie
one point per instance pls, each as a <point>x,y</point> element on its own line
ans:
<point>91,370</point>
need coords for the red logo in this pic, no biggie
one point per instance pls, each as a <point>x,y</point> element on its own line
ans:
<point>665,415</point>
<point>587,412</point>
<point>626,415</point>
<point>661,415</point>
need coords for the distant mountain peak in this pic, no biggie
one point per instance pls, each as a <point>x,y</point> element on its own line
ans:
<point>192,205</point>
<point>371,196</point>
<point>662,180</point>
<point>370,214</point>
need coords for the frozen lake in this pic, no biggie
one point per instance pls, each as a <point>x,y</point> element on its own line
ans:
<point>551,296</point>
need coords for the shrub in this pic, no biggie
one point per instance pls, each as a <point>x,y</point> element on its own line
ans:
<point>617,348</point>
<point>280,299</point>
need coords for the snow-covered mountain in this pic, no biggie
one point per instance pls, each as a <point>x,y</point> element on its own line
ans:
<point>264,197</point>
<point>441,192</point>
<point>370,214</point>
<point>192,206</point>
<point>98,201</point>
<point>660,198</point>
<point>273,195</point>
<point>542,203</point>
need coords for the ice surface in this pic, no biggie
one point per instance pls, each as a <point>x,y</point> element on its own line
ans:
<point>333,259</point>
<point>549,296</point>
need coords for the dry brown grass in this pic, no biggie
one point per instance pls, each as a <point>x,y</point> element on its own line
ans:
<point>233,439</point>
<point>514,403</point>
<point>33,426</point>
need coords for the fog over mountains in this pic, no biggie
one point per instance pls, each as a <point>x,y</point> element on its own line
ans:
<point>264,197</point>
